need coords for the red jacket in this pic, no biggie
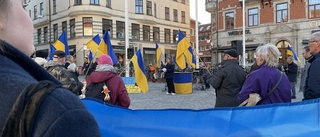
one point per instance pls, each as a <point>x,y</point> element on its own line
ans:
<point>118,91</point>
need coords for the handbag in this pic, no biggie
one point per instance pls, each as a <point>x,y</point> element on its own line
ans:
<point>254,98</point>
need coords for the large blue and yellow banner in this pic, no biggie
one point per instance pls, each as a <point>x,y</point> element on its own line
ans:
<point>182,83</point>
<point>299,119</point>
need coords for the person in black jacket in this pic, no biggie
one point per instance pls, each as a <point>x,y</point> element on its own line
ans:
<point>61,113</point>
<point>228,80</point>
<point>169,74</point>
<point>292,72</point>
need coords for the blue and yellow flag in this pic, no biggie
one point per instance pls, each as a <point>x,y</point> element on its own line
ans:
<point>93,44</point>
<point>183,45</point>
<point>139,71</point>
<point>52,50</point>
<point>62,43</point>
<point>158,55</point>
<point>90,56</point>
<point>106,47</point>
<point>291,52</point>
<point>190,57</point>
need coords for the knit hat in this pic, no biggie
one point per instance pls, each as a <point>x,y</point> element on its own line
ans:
<point>232,53</point>
<point>105,59</point>
<point>59,54</point>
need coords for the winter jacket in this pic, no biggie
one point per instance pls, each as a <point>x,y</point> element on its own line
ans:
<point>292,72</point>
<point>68,79</point>
<point>304,75</point>
<point>228,81</point>
<point>60,114</point>
<point>261,81</point>
<point>118,91</point>
<point>313,79</point>
<point>170,70</point>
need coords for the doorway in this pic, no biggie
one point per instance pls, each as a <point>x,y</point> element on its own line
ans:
<point>282,46</point>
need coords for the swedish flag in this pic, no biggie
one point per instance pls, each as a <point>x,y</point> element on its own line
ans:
<point>139,71</point>
<point>62,43</point>
<point>291,52</point>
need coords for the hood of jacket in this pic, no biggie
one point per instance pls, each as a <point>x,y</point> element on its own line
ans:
<point>100,76</point>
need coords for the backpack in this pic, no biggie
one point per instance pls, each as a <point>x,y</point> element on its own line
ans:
<point>24,111</point>
<point>98,91</point>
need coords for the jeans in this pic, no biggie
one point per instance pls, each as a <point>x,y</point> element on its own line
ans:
<point>293,88</point>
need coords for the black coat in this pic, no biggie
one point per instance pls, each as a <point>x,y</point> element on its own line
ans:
<point>292,72</point>
<point>227,82</point>
<point>170,70</point>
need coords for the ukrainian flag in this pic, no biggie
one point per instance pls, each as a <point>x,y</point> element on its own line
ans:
<point>106,47</point>
<point>90,57</point>
<point>93,44</point>
<point>139,72</point>
<point>158,55</point>
<point>62,43</point>
<point>190,57</point>
<point>183,45</point>
<point>52,50</point>
<point>183,83</point>
<point>291,52</point>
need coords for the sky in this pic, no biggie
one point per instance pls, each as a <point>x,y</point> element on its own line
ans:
<point>203,15</point>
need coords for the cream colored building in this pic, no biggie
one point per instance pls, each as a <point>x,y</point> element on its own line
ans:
<point>150,21</point>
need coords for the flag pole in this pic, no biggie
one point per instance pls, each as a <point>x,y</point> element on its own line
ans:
<point>127,35</point>
<point>243,34</point>
<point>197,37</point>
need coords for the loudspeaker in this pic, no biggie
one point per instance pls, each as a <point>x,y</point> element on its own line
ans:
<point>130,52</point>
<point>237,45</point>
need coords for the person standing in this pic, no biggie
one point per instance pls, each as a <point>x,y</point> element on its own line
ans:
<point>169,74</point>
<point>85,66</point>
<point>292,72</point>
<point>265,78</point>
<point>313,79</point>
<point>61,113</point>
<point>228,80</point>
<point>307,56</point>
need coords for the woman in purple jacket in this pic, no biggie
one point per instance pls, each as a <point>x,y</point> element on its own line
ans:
<point>263,79</point>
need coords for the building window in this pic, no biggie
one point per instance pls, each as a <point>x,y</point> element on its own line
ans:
<point>229,20</point>
<point>191,32</point>
<point>253,17</point>
<point>167,13</point>
<point>72,28</point>
<point>108,4</point>
<point>282,12</point>
<point>77,2</point>
<point>94,2</point>
<point>120,29</point>
<point>54,7</point>
<point>167,35</point>
<point>135,31</point>
<point>35,12</point>
<point>175,15</point>
<point>39,36</point>
<point>183,17</point>
<point>155,10</point>
<point>149,8</point>
<point>64,27</point>
<point>146,33</point>
<point>175,36</point>
<point>107,25</point>
<point>183,1</point>
<point>314,8</point>
<point>41,9</point>
<point>45,34</point>
<point>87,26</point>
<point>55,32</point>
<point>156,34</point>
<point>139,6</point>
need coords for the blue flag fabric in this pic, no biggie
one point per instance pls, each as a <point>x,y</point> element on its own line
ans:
<point>90,56</point>
<point>190,57</point>
<point>52,50</point>
<point>182,46</point>
<point>106,47</point>
<point>300,119</point>
<point>62,43</point>
<point>291,52</point>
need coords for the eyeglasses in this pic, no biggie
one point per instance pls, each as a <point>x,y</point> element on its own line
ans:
<point>312,41</point>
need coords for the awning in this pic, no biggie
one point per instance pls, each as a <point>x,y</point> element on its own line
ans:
<point>149,51</point>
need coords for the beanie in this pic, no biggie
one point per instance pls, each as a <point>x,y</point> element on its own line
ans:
<point>105,59</point>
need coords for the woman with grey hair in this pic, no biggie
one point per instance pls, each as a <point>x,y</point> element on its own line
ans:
<point>266,77</point>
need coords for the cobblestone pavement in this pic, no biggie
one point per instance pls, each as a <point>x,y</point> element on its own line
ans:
<point>156,98</point>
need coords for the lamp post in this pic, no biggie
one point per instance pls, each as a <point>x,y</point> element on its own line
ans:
<point>49,23</point>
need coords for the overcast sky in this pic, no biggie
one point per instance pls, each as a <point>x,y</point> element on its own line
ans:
<point>203,16</point>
